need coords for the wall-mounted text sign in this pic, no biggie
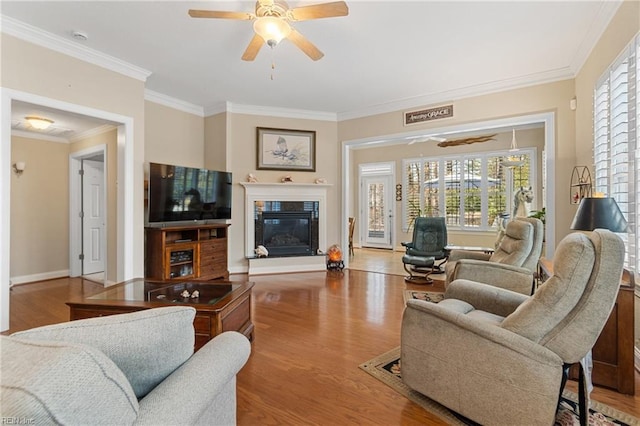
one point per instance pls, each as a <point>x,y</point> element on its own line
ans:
<point>414,117</point>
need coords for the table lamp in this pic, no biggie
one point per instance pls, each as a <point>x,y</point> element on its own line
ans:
<point>599,213</point>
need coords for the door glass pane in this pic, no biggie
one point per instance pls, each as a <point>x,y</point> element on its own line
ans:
<point>376,226</point>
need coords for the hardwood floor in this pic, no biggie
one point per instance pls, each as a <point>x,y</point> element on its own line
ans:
<point>312,330</point>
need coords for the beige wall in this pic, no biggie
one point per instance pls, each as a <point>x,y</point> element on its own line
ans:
<point>241,144</point>
<point>109,139</point>
<point>396,153</point>
<point>36,70</point>
<point>39,208</point>
<point>173,136</point>
<point>215,149</point>
<point>624,25</point>
<point>551,97</point>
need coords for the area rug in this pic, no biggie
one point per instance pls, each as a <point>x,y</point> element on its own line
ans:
<point>429,296</point>
<point>386,368</point>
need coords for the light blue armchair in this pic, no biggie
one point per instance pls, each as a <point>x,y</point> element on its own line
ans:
<point>136,368</point>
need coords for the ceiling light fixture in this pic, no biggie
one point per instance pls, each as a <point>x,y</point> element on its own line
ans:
<point>271,29</point>
<point>38,123</point>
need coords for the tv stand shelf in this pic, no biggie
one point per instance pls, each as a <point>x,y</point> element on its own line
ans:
<point>179,252</point>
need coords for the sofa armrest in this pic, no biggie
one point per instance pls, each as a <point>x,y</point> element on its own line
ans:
<point>146,345</point>
<point>485,297</point>
<point>509,277</point>
<point>468,254</point>
<point>188,391</point>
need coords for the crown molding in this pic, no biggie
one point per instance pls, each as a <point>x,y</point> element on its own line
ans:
<point>214,109</point>
<point>162,99</point>
<point>465,92</point>
<point>280,112</point>
<point>40,136</point>
<point>34,35</point>
<point>93,132</point>
<point>605,14</point>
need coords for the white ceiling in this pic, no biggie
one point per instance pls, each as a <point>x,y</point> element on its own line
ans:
<point>383,56</point>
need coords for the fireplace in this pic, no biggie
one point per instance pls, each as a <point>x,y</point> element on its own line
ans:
<point>309,202</point>
<point>287,228</point>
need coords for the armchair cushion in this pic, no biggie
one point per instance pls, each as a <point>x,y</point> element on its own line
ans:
<point>126,340</point>
<point>63,383</point>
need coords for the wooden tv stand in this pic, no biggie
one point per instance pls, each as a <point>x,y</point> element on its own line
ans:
<point>183,252</point>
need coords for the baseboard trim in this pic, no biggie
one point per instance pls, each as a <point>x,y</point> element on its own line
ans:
<point>39,277</point>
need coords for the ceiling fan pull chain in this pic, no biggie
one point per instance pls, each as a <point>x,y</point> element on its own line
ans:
<point>273,63</point>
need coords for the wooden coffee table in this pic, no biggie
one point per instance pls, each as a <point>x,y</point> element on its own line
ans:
<point>220,305</point>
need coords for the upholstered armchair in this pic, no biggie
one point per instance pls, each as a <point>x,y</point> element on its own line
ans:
<point>511,266</point>
<point>500,357</point>
<point>136,368</point>
<point>426,248</point>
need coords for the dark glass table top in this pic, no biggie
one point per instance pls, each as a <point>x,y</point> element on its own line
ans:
<point>178,292</point>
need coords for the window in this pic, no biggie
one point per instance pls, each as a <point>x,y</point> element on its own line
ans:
<point>615,128</point>
<point>469,190</point>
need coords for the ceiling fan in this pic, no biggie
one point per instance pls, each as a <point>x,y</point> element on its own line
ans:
<point>272,23</point>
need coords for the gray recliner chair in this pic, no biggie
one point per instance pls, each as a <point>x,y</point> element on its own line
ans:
<point>136,368</point>
<point>513,264</point>
<point>499,357</point>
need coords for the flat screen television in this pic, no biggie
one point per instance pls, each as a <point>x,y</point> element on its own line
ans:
<point>186,194</point>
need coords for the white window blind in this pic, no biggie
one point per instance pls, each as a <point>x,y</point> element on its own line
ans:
<point>616,142</point>
<point>469,190</point>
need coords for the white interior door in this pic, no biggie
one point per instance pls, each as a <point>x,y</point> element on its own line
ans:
<point>376,212</point>
<point>93,223</point>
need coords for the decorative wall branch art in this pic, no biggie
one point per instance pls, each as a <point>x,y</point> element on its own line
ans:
<point>283,149</point>
<point>467,141</point>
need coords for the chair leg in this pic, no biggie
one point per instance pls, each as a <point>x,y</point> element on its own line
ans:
<point>582,399</point>
<point>582,394</point>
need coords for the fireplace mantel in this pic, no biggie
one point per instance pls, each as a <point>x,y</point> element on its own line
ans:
<point>259,191</point>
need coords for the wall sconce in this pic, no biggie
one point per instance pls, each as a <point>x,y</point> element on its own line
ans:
<point>18,167</point>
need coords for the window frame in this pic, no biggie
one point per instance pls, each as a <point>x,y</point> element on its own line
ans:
<point>462,158</point>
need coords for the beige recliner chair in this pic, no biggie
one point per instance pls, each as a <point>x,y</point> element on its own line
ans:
<point>511,266</point>
<point>499,357</point>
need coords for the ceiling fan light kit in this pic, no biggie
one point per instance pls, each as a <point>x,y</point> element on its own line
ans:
<point>272,23</point>
<point>272,29</point>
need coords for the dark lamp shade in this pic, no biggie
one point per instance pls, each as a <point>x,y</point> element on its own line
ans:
<point>602,213</point>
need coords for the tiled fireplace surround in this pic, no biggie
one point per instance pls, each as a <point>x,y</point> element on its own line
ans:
<point>258,192</point>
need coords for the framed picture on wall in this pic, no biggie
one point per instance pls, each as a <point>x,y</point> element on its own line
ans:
<point>283,149</point>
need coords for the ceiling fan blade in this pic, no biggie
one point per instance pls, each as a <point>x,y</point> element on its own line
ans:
<point>245,16</point>
<point>305,45</point>
<point>253,48</point>
<point>317,11</point>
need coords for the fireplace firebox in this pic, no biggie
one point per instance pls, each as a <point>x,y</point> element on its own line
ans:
<point>287,228</point>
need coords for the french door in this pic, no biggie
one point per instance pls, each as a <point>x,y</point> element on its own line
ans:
<point>376,211</point>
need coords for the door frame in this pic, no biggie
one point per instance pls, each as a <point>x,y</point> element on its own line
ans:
<point>546,118</point>
<point>364,201</point>
<point>125,192</point>
<point>75,206</point>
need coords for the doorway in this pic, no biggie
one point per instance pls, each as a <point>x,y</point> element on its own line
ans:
<point>546,119</point>
<point>127,262</point>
